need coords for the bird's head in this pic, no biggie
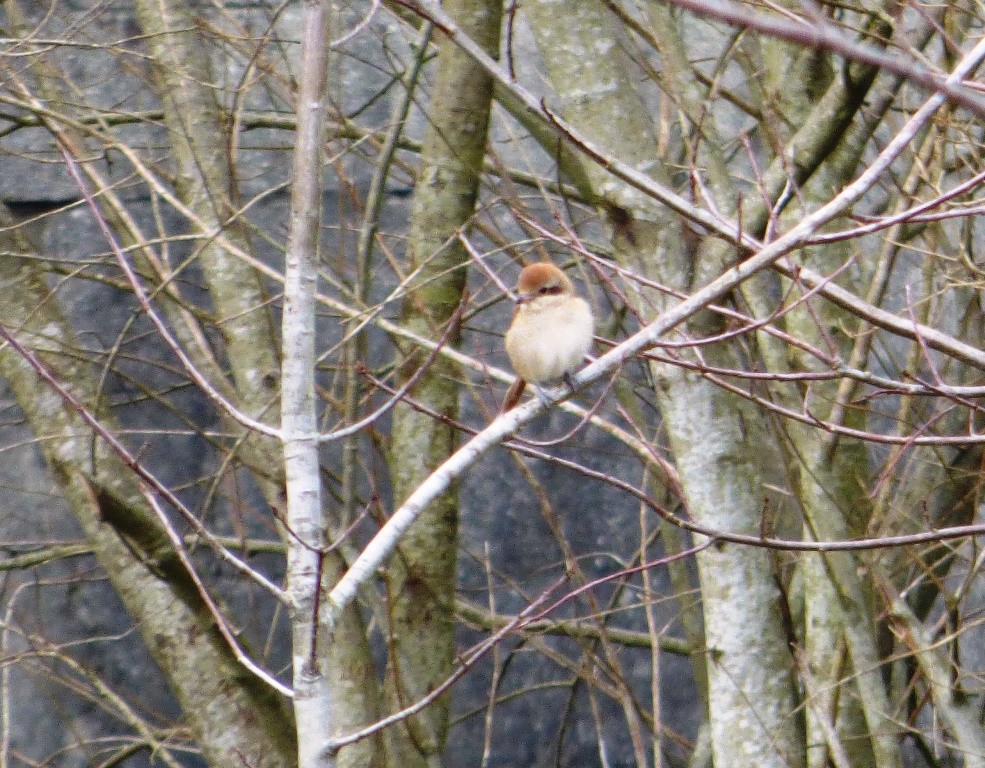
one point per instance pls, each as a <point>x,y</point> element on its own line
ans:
<point>542,280</point>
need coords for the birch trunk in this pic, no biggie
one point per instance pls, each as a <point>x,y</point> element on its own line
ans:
<point>319,690</point>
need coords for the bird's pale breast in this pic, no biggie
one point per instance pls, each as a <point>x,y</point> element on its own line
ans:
<point>545,343</point>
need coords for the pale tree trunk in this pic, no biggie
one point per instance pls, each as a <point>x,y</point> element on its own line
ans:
<point>811,119</point>
<point>830,486</point>
<point>420,582</point>
<point>847,714</point>
<point>750,689</point>
<point>840,635</point>
<point>315,699</point>
<point>850,718</point>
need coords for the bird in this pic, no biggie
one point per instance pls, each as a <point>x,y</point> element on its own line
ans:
<point>551,332</point>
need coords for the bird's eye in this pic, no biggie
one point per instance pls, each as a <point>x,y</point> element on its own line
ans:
<point>544,289</point>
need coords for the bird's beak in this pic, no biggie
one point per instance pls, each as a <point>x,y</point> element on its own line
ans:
<point>522,298</point>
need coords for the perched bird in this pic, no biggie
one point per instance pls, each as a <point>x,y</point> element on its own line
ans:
<point>551,331</point>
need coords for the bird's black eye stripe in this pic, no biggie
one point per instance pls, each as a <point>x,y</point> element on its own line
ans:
<point>550,290</point>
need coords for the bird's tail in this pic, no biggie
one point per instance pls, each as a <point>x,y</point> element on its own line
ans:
<point>513,395</point>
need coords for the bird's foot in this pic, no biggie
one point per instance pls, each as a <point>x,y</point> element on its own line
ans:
<point>542,396</point>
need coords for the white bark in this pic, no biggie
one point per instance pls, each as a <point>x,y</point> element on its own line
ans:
<point>313,697</point>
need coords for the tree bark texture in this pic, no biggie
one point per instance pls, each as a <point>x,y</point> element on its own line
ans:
<point>420,582</point>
